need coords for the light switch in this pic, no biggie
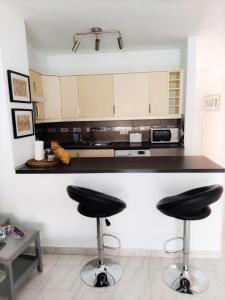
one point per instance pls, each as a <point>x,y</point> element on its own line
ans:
<point>212,102</point>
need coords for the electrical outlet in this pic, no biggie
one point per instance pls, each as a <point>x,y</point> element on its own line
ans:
<point>212,102</point>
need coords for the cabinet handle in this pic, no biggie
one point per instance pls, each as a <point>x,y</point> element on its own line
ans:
<point>37,114</point>
<point>114,109</point>
<point>34,87</point>
<point>149,108</point>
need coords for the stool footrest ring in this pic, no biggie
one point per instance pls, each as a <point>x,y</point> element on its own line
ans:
<point>174,251</point>
<point>114,237</point>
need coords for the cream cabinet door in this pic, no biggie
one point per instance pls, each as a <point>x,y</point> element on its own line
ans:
<point>167,152</point>
<point>69,97</point>
<point>36,86</point>
<point>159,93</point>
<point>96,153</point>
<point>131,94</point>
<point>73,153</point>
<point>52,95</point>
<point>95,96</point>
<point>39,110</point>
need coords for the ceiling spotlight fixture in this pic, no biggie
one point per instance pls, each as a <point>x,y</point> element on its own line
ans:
<point>76,44</point>
<point>97,31</point>
<point>120,42</point>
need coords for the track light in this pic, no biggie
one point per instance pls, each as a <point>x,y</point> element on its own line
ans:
<point>97,31</point>
<point>75,46</point>
<point>97,43</point>
<point>120,42</point>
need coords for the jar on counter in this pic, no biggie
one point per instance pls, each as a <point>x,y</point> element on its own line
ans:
<point>49,155</point>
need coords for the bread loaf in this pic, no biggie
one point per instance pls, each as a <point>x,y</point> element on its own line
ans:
<point>61,153</point>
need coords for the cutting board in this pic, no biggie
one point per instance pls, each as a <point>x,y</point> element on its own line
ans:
<point>32,163</point>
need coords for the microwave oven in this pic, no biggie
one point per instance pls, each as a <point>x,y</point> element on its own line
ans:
<point>165,135</point>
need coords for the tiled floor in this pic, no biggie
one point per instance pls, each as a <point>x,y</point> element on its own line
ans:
<point>142,280</point>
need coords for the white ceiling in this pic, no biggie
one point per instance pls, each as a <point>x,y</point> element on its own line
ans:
<point>145,24</point>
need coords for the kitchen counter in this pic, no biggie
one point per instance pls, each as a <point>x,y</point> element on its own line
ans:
<point>162,164</point>
<point>122,146</point>
<point>139,181</point>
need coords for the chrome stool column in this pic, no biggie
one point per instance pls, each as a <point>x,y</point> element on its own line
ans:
<point>191,205</point>
<point>100,272</point>
<point>182,277</point>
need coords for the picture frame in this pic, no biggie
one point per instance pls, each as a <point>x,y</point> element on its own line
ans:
<point>19,87</point>
<point>22,120</point>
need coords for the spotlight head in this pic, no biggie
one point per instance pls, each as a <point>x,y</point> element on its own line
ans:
<point>75,46</point>
<point>97,44</point>
<point>120,42</point>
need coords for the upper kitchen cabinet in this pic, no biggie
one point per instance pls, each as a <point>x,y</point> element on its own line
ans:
<point>69,94</point>
<point>159,93</point>
<point>36,86</point>
<point>52,95</point>
<point>131,94</point>
<point>175,92</point>
<point>39,111</point>
<point>95,94</point>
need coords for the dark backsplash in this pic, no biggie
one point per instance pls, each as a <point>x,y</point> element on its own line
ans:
<point>69,132</point>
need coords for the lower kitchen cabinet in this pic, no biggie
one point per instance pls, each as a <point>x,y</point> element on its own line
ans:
<point>73,153</point>
<point>92,153</point>
<point>167,152</point>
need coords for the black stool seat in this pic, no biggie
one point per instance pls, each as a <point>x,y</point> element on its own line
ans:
<point>95,204</point>
<point>191,205</point>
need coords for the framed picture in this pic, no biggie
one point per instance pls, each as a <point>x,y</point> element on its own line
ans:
<point>22,122</point>
<point>19,87</point>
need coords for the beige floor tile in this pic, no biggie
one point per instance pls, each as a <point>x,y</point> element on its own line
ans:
<point>134,281</point>
<point>130,262</point>
<point>38,280</point>
<point>55,295</point>
<point>26,294</point>
<point>78,260</point>
<point>49,259</point>
<point>63,260</point>
<point>142,280</point>
<point>92,295</point>
<point>62,278</point>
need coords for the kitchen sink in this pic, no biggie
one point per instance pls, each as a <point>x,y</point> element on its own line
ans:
<point>102,144</point>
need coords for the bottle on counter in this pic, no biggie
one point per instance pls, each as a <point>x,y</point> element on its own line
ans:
<point>49,155</point>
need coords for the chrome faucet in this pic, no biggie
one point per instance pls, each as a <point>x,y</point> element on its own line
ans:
<point>91,138</point>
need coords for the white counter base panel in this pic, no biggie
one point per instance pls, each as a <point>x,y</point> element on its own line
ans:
<point>140,226</point>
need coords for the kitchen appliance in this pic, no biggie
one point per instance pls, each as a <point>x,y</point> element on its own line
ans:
<point>165,135</point>
<point>135,137</point>
<point>131,153</point>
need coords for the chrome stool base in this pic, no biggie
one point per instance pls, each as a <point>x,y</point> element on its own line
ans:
<point>96,275</point>
<point>185,282</point>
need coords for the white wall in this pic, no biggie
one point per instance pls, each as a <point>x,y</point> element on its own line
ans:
<point>193,109</point>
<point>212,69</point>
<point>41,200</point>
<point>13,57</point>
<point>114,62</point>
<point>205,76</point>
<point>105,62</point>
<point>38,60</point>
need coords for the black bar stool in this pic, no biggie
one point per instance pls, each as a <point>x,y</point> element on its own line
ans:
<point>102,271</point>
<point>189,206</point>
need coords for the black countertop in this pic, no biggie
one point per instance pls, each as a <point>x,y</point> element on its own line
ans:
<point>122,146</point>
<point>154,164</point>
